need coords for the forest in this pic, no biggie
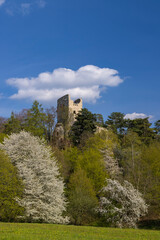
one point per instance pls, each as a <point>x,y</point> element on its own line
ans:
<point>106,172</point>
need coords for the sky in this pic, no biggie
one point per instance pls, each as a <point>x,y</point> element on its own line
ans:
<point>105,51</point>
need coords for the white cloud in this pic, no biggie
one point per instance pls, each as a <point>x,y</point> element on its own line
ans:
<point>137,115</point>
<point>2,1</point>
<point>87,82</point>
<point>41,3</point>
<point>25,8</point>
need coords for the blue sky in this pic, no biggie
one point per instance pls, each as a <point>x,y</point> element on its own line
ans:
<point>105,51</point>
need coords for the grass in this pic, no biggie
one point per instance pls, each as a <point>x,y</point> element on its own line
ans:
<point>26,231</point>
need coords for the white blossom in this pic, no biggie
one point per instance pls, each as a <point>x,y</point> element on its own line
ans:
<point>122,206</point>
<point>43,198</point>
<point>111,163</point>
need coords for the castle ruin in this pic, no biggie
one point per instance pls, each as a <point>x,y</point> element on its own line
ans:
<point>67,110</point>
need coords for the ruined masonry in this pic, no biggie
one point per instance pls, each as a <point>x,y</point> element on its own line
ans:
<point>67,110</point>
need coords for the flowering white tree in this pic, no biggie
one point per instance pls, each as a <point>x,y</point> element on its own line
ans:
<point>121,206</point>
<point>43,197</point>
<point>111,163</point>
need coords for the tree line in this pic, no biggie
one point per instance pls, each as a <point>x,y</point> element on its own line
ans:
<point>109,169</point>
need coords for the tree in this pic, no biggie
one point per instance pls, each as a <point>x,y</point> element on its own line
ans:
<point>2,123</point>
<point>50,122</point>
<point>121,205</point>
<point>131,158</point>
<point>89,159</point>
<point>12,125</point>
<point>150,178</point>
<point>82,199</point>
<point>116,122</point>
<point>35,122</point>
<point>43,197</point>
<point>142,128</point>
<point>99,120</point>
<point>11,187</point>
<point>105,144</point>
<point>111,164</point>
<point>22,117</point>
<point>85,122</point>
<point>157,126</point>
<point>141,167</point>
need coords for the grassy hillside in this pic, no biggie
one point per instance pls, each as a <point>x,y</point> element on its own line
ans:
<point>13,231</point>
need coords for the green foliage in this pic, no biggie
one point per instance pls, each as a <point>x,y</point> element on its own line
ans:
<point>10,189</point>
<point>97,141</point>
<point>119,125</point>
<point>99,120</point>
<point>2,122</point>
<point>85,122</point>
<point>12,125</point>
<point>131,158</point>
<point>35,122</point>
<point>150,186</point>
<point>141,167</point>
<point>157,126</point>
<point>90,159</point>
<point>71,157</point>
<point>116,122</point>
<point>2,136</point>
<point>142,128</point>
<point>64,163</point>
<point>82,199</point>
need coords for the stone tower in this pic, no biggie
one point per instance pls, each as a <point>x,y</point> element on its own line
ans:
<point>67,109</point>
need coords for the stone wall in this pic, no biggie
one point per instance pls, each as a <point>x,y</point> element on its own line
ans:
<point>67,109</point>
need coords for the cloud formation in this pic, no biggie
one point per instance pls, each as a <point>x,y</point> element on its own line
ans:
<point>41,3</point>
<point>137,115</point>
<point>87,82</point>
<point>2,1</point>
<point>25,8</point>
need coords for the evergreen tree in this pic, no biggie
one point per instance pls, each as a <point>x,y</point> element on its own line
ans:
<point>157,126</point>
<point>143,128</point>
<point>12,125</point>
<point>35,122</point>
<point>85,122</point>
<point>116,123</point>
<point>99,120</point>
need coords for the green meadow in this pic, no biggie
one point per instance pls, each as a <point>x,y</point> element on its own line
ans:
<point>27,231</point>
